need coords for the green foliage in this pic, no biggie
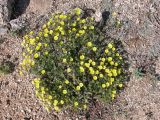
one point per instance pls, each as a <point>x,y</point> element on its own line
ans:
<point>6,67</point>
<point>72,62</point>
<point>138,72</point>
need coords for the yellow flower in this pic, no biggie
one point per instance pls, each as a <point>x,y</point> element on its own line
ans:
<point>22,44</point>
<point>32,41</point>
<point>107,84</point>
<point>60,86</point>
<point>97,72</point>
<point>49,97</point>
<point>116,64</point>
<point>104,67</point>
<point>85,27</point>
<point>36,55</point>
<point>26,37</point>
<point>74,24</point>
<point>57,34</point>
<point>61,43</point>
<point>81,84</point>
<point>77,34</point>
<point>62,16</point>
<point>37,85</point>
<point>51,32</point>
<point>78,88</point>
<point>44,26</point>
<point>71,59</point>
<point>64,60</point>
<point>62,102</point>
<point>24,54</point>
<point>45,44</point>
<point>93,63</point>
<point>89,44</point>
<point>110,74</point>
<point>43,72</point>
<point>20,73</point>
<point>120,85</point>
<point>113,49</point>
<point>81,62</point>
<point>94,77</point>
<point>109,59</point>
<point>91,71</point>
<point>31,51</point>
<point>110,45</point>
<point>37,48</point>
<point>48,23</point>
<point>101,75</point>
<point>103,59</point>
<point>87,65</point>
<point>64,91</point>
<point>56,108</point>
<point>75,104</point>
<point>45,35</point>
<point>69,70</point>
<point>66,81</point>
<point>73,29</point>
<point>84,106</point>
<point>81,57</point>
<point>101,63</point>
<point>94,49</point>
<point>81,32</point>
<point>114,91</point>
<point>114,71</point>
<point>120,57</point>
<point>55,37</point>
<point>77,11</point>
<point>111,80</point>
<point>62,23</point>
<point>89,60</point>
<point>81,69</point>
<point>111,63</point>
<point>55,102</point>
<point>46,52</point>
<point>103,85</point>
<point>83,21</point>
<point>91,27</point>
<point>32,63</point>
<point>40,34</point>
<point>62,32</point>
<point>37,38</point>
<point>78,18</point>
<point>100,67</point>
<point>117,54</point>
<point>31,33</point>
<point>113,96</point>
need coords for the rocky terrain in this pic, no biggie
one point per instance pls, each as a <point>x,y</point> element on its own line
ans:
<point>139,31</point>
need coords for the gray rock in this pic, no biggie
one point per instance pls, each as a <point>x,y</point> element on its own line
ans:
<point>3,30</point>
<point>16,25</point>
<point>5,14</point>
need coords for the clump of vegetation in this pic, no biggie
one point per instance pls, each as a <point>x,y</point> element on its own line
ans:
<point>6,67</point>
<point>72,62</point>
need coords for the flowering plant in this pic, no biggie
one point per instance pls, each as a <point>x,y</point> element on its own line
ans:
<point>72,63</point>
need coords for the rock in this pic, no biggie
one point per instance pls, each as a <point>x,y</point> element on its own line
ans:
<point>5,14</point>
<point>17,24</point>
<point>3,30</point>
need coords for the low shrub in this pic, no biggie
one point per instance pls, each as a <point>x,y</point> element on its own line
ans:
<point>72,62</point>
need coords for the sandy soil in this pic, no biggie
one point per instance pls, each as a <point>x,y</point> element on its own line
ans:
<point>140,99</point>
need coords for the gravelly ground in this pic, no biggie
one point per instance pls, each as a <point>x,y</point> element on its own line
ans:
<point>140,100</point>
